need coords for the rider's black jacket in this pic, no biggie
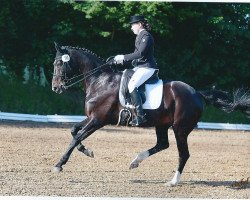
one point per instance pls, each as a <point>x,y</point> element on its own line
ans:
<point>143,55</point>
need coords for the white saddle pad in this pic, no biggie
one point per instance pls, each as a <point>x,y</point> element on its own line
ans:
<point>153,96</point>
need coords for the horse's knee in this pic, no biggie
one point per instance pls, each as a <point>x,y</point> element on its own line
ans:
<point>74,130</point>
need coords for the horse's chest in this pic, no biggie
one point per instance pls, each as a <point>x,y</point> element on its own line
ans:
<point>90,104</point>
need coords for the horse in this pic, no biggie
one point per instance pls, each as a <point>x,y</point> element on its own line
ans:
<point>181,106</point>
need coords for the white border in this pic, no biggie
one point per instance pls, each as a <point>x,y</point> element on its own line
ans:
<point>87,198</point>
<point>78,198</point>
<point>70,118</point>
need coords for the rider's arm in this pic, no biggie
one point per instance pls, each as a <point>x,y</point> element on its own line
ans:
<point>144,45</point>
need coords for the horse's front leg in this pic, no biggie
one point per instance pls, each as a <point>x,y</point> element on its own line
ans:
<point>77,127</point>
<point>91,126</point>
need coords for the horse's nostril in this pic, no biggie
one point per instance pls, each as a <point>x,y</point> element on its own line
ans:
<point>54,88</point>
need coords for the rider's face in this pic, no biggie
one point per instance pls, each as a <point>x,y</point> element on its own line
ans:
<point>136,27</point>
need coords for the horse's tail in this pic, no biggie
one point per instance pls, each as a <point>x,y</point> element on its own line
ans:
<point>240,100</point>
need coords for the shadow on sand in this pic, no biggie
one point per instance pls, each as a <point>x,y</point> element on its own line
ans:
<point>227,184</point>
<point>148,181</point>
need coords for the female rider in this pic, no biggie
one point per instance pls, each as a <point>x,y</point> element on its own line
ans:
<point>143,61</point>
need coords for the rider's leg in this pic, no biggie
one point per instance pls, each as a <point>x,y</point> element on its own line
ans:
<point>138,78</point>
<point>137,102</point>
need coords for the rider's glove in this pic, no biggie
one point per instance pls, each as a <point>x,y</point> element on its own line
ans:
<point>119,59</point>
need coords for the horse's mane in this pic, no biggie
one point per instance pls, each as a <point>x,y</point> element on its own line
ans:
<point>85,50</point>
<point>104,78</point>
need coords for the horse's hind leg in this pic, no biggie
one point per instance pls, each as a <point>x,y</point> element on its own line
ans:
<point>80,146</point>
<point>181,135</point>
<point>162,143</point>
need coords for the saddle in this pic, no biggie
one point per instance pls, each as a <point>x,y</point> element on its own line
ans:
<point>151,93</point>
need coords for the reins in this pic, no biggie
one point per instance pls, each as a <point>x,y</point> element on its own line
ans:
<point>86,75</point>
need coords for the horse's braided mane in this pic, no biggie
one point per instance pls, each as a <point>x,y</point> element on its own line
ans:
<point>85,50</point>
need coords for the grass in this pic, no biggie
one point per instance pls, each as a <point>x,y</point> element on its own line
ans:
<point>33,99</point>
<point>212,114</point>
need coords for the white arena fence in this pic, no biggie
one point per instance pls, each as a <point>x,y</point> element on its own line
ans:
<point>70,118</point>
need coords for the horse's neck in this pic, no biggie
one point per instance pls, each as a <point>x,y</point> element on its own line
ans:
<point>87,66</point>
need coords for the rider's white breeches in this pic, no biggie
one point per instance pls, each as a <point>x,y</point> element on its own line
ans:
<point>139,77</point>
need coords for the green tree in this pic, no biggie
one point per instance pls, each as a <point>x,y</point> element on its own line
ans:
<point>194,41</point>
<point>200,43</point>
<point>28,29</point>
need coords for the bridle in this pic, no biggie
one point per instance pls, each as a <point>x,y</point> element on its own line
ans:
<point>80,77</point>
<point>64,66</point>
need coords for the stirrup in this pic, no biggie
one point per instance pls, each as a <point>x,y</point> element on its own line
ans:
<point>138,120</point>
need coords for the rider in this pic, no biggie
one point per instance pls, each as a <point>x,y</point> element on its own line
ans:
<point>142,60</point>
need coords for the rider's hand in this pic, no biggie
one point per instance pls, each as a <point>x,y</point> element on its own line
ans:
<point>119,59</point>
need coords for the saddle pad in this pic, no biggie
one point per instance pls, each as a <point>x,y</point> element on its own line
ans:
<point>153,93</point>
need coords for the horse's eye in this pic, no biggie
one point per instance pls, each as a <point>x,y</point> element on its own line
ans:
<point>59,62</point>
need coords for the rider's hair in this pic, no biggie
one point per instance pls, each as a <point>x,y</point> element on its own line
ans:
<point>146,25</point>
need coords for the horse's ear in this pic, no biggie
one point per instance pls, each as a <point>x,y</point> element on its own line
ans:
<point>58,48</point>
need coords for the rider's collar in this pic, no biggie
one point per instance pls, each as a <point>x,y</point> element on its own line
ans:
<point>141,30</point>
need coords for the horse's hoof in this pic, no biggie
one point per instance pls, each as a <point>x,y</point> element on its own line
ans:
<point>89,153</point>
<point>57,169</point>
<point>170,184</point>
<point>134,165</point>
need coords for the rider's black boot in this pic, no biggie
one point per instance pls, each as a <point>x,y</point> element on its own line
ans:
<point>137,102</point>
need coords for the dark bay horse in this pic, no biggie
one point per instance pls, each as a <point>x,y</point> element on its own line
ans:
<point>181,106</point>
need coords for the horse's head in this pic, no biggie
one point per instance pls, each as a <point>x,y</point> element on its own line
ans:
<point>63,68</point>
<point>72,65</point>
